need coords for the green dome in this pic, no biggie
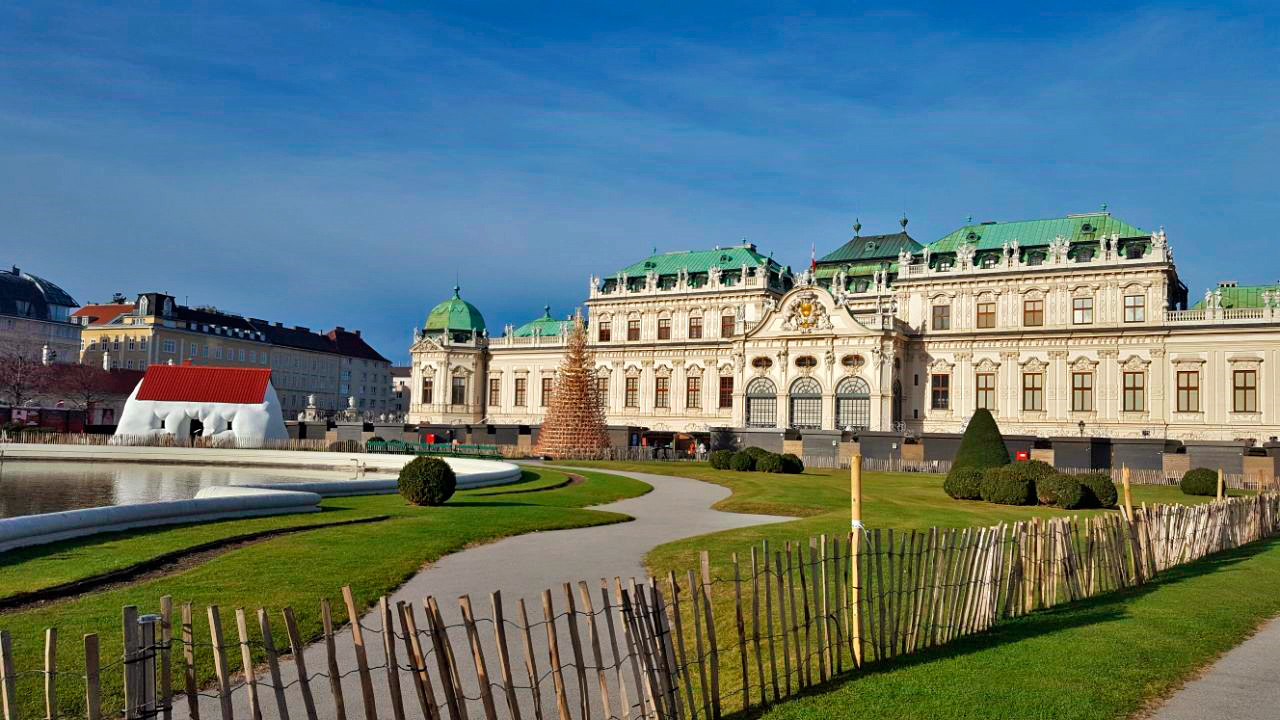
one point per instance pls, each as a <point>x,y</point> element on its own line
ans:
<point>455,315</point>
<point>546,326</point>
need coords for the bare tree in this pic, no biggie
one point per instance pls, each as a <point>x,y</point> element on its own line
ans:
<point>83,386</point>
<point>23,374</point>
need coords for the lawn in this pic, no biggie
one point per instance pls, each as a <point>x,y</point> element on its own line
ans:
<point>1094,660</point>
<point>294,570</point>
<point>819,500</point>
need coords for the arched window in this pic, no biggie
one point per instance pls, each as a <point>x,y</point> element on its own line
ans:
<point>762,403</point>
<point>806,404</point>
<point>853,404</point>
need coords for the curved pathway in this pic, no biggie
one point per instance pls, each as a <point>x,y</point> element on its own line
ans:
<point>1240,685</point>
<point>521,567</point>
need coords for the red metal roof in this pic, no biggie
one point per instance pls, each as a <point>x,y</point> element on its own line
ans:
<point>201,383</point>
<point>102,314</point>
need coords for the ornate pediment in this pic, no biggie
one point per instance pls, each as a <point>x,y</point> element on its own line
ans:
<point>986,365</point>
<point>940,367</point>
<point>1136,364</point>
<point>1083,364</point>
<point>1034,365</point>
<point>806,313</point>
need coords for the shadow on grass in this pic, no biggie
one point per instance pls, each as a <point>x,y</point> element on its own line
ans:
<point>1093,611</point>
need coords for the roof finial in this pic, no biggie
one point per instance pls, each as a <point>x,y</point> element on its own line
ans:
<point>857,227</point>
<point>903,222</point>
<point>455,291</point>
<point>1104,207</point>
<point>968,220</point>
<point>546,310</point>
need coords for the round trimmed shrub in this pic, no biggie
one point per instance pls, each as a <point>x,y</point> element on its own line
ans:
<point>982,445</point>
<point>771,463</point>
<point>1062,491</point>
<point>792,464</point>
<point>742,462</point>
<point>756,453</point>
<point>427,481</point>
<point>719,459</point>
<point>1038,469</point>
<point>1008,485</point>
<point>1200,481</point>
<point>1099,490</point>
<point>964,483</point>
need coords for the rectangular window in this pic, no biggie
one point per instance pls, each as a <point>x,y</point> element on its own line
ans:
<point>632,399</point>
<point>986,315</point>
<point>940,391</point>
<point>633,330</point>
<point>941,317</point>
<point>458,390</point>
<point>1082,311</point>
<point>1245,385</point>
<point>693,391</point>
<point>1032,391</point>
<point>522,392</point>
<point>985,388</point>
<point>427,387</point>
<point>695,327</point>
<point>1188,391</point>
<point>547,384</point>
<point>1135,308</point>
<point>603,333</point>
<point>142,344</point>
<point>495,392</point>
<point>726,392</point>
<point>602,391</point>
<point>132,345</point>
<point>1082,392</point>
<point>1135,399</point>
<point>662,392</point>
<point>727,326</point>
<point>664,328</point>
<point>1033,313</point>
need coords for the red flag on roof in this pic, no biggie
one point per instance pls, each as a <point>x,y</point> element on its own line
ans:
<point>813,257</point>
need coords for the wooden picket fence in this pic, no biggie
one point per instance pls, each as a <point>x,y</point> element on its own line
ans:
<point>700,645</point>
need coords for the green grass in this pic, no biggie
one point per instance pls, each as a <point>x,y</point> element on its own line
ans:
<point>296,570</point>
<point>1093,660</point>
<point>819,500</point>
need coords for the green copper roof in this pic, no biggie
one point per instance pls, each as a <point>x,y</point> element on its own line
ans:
<point>1247,296</point>
<point>872,247</point>
<point>455,314</point>
<point>854,269</point>
<point>700,261</point>
<point>544,326</point>
<point>1033,233</point>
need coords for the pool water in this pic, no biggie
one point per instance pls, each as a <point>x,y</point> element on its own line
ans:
<point>30,488</point>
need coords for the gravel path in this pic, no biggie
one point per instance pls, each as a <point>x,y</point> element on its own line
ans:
<point>1240,686</point>
<point>520,567</point>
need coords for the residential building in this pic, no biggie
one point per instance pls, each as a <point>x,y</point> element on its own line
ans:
<point>35,318</point>
<point>336,367</point>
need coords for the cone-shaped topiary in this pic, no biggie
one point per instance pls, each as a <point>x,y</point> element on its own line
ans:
<point>982,446</point>
<point>427,481</point>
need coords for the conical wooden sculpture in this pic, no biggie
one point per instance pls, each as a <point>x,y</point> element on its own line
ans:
<point>574,425</point>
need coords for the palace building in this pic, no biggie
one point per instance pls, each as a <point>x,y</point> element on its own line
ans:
<point>1067,327</point>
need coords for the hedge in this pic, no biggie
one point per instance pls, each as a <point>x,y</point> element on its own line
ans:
<point>1008,485</point>
<point>1099,490</point>
<point>771,463</point>
<point>427,481</point>
<point>742,462</point>
<point>964,484</point>
<point>1200,481</point>
<point>720,459</point>
<point>1064,491</point>
<point>791,463</point>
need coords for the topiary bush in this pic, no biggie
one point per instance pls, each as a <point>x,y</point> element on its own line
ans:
<point>964,484</point>
<point>982,446</point>
<point>792,464</point>
<point>347,446</point>
<point>1064,491</point>
<point>1099,490</point>
<point>1007,485</point>
<point>1200,481</point>
<point>427,481</point>
<point>756,452</point>
<point>1038,469</point>
<point>771,463</point>
<point>719,459</point>
<point>742,462</point>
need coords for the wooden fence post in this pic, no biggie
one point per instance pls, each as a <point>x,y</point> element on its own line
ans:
<point>705,563</point>
<point>189,662</point>
<point>219,660</point>
<point>51,673</point>
<point>504,654</point>
<point>166,644</point>
<point>1128,495</point>
<point>331,654</point>
<point>389,653</point>
<point>855,580</point>
<point>8,678</point>
<point>1221,484</point>
<point>362,656</point>
<point>299,663</point>
<point>92,680</point>
<point>246,662</point>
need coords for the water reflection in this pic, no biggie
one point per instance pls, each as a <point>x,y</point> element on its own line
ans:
<point>29,488</point>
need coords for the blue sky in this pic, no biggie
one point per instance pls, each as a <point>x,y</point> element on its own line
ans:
<point>341,163</point>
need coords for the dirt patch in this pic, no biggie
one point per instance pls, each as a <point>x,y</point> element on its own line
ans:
<point>167,564</point>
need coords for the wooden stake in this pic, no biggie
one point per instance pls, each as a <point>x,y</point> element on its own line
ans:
<point>273,664</point>
<point>92,681</point>
<point>553,648</point>
<point>855,581</point>
<point>531,663</point>
<point>51,673</point>
<point>705,562</point>
<point>1221,484</point>
<point>1128,494</point>
<point>219,660</point>
<point>166,641</point>
<point>755,622</point>
<point>189,662</point>
<point>575,643</point>
<point>477,656</point>
<point>331,653</point>
<point>679,633</point>
<point>741,627</point>
<point>768,618</point>
<point>362,656</point>
<point>299,662</point>
<point>413,651</point>
<point>246,662</point>
<point>8,678</point>
<point>624,701</point>
<point>389,653</point>
<point>504,657</point>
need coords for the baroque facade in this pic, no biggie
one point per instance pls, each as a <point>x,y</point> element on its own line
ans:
<point>1072,326</point>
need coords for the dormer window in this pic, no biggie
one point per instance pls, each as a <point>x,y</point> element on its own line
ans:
<point>1086,228</point>
<point>972,236</point>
